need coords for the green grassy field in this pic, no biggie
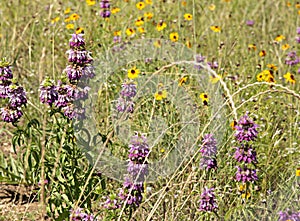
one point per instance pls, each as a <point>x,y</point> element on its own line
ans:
<point>250,44</point>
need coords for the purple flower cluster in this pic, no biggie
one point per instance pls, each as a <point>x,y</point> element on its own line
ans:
<point>213,65</point>
<point>78,215</point>
<point>246,131</point>
<point>63,95</point>
<point>209,151</point>
<point>125,101</point>
<point>105,5</point>
<point>138,154</point>
<point>199,59</point>
<point>298,33</point>
<point>245,174</point>
<point>245,153</point>
<point>131,193</point>
<point>249,22</point>
<point>13,93</point>
<point>292,58</point>
<point>289,215</point>
<point>137,168</point>
<point>207,200</point>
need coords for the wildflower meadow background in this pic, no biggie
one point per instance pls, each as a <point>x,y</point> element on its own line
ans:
<point>149,110</point>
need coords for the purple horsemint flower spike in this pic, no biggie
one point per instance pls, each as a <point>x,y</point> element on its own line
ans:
<point>213,65</point>
<point>207,200</point>
<point>79,215</point>
<point>76,93</point>
<point>77,41</point>
<point>125,101</point>
<point>137,171</point>
<point>48,92</point>
<point>131,193</point>
<point>199,59</point>
<point>88,72</point>
<point>246,129</point>
<point>63,98</point>
<point>298,30</point>
<point>105,14</point>
<point>209,151</point>
<point>74,112</point>
<point>111,203</point>
<point>245,174</point>
<point>4,91</point>
<point>289,216</point>
<point>17,96</point>
<point>209,145</point>
<point>6,73</point>
<point>105,5</point>
<point>128,90</point>
<point>138,148</point>
<point>208,163</point>
<point>245,154</point>
<point>125,105</point>
<point>11,115</point>
<point>117,39</point>
<point>292,58</point>
<point>79,57</point>
<point>73,73</point>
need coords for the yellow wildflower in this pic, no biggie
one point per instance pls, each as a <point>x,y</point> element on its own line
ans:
<point>140,5</point>
<point>262,53</point>
<point>182,80</point>
<point>285,47</point>
<point>70,26</point>
<point>252,47</point>
<point>130,31</point>
<point>215,28</point>
<point>139,22</point>
<point>272,67</point>
<point>298,171</point>
<point>160,95</point>
<point>133,73</point>
<point>290,78</point>
<point>115,10</point>
<point>79,30</point>
<point>157,44</point>
<point>204,98</point>
<point>233,124</point>
<point>54,20</point>
<point>212,7</point>
<point>161,26</point>
<point>174,36</point>
<point>279,38</point>
<point>188,17</point>
<point>117,33</point>
<point>188,44</point>
<point>141,29</point>
<point>90,2</point>
<point>214,79</point>
<point>74,17</point>
<point>246,196</point>
<point>148,15</point>
<point>67,10</point>
<point>67,20</point>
